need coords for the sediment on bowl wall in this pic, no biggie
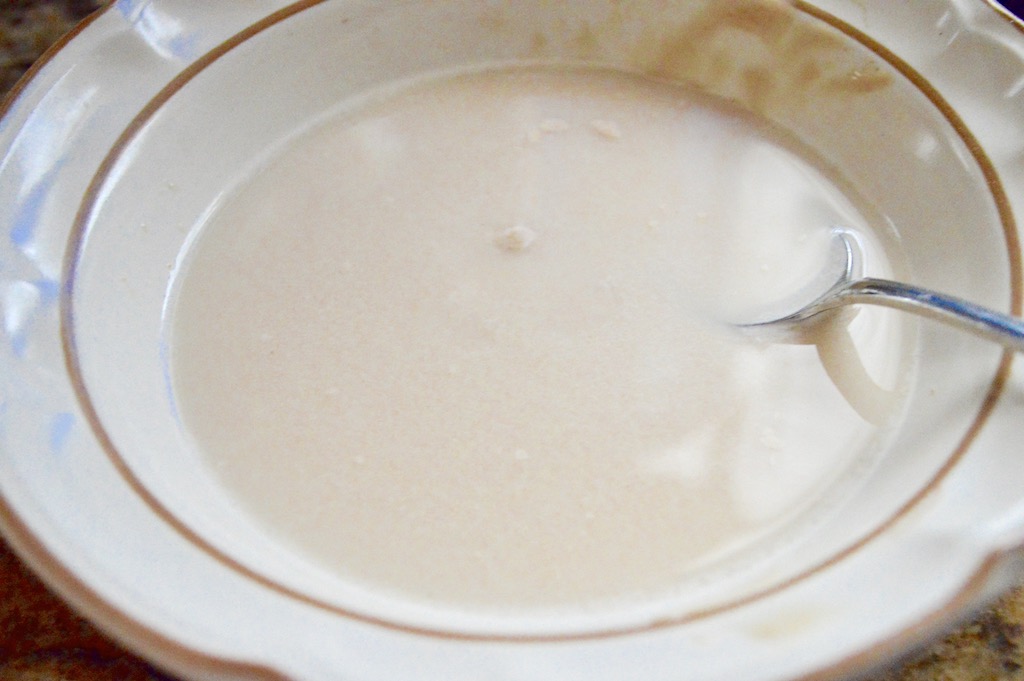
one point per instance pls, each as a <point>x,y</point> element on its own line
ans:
<point>766,56</point>
<point>769,56</point>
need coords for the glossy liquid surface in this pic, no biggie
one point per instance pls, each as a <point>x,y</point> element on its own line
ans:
<point>464,342</point>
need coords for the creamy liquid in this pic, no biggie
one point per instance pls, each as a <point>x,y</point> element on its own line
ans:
<point>465,340</point>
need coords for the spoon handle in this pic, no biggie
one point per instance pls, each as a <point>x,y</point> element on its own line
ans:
<point>982,321</point>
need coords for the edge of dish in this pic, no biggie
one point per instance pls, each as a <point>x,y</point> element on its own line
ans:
<point>143,640</point>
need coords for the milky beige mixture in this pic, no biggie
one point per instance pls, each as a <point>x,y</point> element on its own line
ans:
<point>464,342</point>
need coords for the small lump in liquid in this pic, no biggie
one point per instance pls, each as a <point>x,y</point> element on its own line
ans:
<point>515,239</point>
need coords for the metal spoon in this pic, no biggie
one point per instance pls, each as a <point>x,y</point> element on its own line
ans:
<point>847,287</point>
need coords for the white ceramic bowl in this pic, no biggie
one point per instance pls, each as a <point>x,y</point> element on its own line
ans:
<point>120,144</point>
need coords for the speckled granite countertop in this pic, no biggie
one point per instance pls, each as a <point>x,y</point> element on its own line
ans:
<point>42,640</point>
